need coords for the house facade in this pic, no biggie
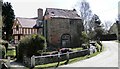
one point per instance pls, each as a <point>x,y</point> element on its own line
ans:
<point>115,29</point>
<point>23,27</point>
<point>26,26</point>
<point>62,28</point>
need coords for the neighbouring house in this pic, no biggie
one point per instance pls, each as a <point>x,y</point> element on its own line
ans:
<point>62,28</point>
<point>25,26</point>
<point>115,29</point>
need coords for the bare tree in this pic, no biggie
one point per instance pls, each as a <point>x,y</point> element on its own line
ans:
<point>95,28</point>
<point>107,25</point>
<point>118,17</point>
<point>94,22</point>
<point>84,9</point>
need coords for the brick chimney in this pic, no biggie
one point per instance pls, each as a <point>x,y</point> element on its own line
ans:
<point>40,14</point>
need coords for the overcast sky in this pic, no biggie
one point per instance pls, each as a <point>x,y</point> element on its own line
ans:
<point>107,10</point>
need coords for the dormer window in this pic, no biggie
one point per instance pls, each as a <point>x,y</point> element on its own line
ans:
<point>17,27</point>
<point>53,14</point>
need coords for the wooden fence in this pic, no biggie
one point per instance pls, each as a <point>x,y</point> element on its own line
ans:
<point>40,60</point>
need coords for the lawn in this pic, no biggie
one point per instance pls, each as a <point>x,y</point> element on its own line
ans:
<point>11,53</point>
<point>76,49</point>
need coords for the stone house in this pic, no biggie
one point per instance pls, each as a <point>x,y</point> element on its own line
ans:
<point>62,28</point>
<point>23,27</point>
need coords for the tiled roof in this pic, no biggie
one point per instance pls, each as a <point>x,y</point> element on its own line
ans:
<point>62,13</point>
<point>27,22</point>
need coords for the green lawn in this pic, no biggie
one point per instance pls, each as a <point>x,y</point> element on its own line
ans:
<point>76,49</point>
<point>11,53</point>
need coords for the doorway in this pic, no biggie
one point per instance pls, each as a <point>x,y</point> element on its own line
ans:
<point>65,40</point>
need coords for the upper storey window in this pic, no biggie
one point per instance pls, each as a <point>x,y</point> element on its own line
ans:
<point>17,27</point>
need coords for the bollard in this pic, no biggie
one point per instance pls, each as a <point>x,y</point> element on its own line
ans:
<point>59,54</point>
<point>67,54</point>
<point>32,61</point>
<point>8,62</point>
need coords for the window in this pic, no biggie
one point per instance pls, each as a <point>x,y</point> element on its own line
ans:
<point>27,31</point>
<point>71,21</point>
<point>17,27</point>
<point>30,31</point>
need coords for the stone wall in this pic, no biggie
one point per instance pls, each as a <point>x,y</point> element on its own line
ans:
<point>54,58</point>
<point>75,30</point>
<point>39,60</point>
<point>56,27</point>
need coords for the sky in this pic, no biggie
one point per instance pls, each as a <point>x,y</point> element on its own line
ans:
<point>107,10</point>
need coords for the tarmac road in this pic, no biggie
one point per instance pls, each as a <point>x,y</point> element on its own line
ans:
<point>107,58</point>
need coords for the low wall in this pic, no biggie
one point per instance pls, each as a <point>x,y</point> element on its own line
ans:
<point>108,37</point>
<point>39,60</point>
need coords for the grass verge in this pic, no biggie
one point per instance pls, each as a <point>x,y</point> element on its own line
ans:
<point>70,61</point>
<point>76,49</point>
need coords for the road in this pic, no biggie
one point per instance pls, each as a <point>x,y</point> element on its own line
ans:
<point>107,58</point>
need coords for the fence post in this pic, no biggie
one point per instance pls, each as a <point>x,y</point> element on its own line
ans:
<point>8,62</point>
<point>16,48</point>
<point>58,56</point>
<point>67,55</point>
<point>33,61</point>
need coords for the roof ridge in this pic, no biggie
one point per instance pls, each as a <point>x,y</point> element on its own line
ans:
<point>60,9</point>
<point>24,18</point>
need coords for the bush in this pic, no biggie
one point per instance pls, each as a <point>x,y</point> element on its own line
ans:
<point>30,46</point>
<point>85,38</point>
<point>4,43</point>
<point>2,51</point>
<point>65,50</point>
